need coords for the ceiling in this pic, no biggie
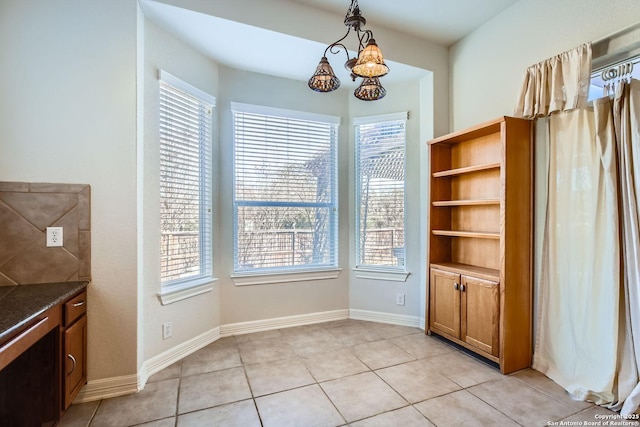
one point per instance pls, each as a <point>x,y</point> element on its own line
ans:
<point>442,22</point>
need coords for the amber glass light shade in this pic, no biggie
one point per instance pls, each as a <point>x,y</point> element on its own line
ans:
<point>324,79</point>
<point>370,89</point>
<point>370,62</point>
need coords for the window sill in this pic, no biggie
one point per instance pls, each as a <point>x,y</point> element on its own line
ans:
<point>186,290</point>
<point>375,274</point>
<point>298,276</point>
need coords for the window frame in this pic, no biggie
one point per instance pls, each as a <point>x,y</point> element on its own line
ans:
<point>201,282</point>
<point>291,273</point>
<point>372,271</point>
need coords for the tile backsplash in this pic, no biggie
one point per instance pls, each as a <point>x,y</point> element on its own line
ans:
<point>26,210</point>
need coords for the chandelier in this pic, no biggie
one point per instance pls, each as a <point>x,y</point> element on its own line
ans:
<point>369,63</point>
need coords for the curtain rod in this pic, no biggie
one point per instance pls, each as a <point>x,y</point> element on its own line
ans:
<point>617,34</point>
<point>617,48</point>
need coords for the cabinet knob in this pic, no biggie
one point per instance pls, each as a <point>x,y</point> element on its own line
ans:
<point>462,288</point>
<point>73,359</point>
<point>455,286</point>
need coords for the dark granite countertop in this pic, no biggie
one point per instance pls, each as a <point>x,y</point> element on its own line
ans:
<point>22,303</point>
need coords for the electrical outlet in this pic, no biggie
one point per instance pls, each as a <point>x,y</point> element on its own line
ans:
<point>167,330</point>
<point>399,299</point>
<point>54,237</point>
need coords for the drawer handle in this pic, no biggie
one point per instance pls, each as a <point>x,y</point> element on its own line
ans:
<point>73,359</point>
<point>79,304</point>
<point>455,286</point>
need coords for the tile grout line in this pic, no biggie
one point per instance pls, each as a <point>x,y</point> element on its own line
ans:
<point>95,411</point>
<point>489,404</point>
<point>320,385</point>
<point>376,374</point>
<point>246,377</point>
<point>333,404</point>
<point>175,423</point>
<point>410,404</point>
<point>553,397</point>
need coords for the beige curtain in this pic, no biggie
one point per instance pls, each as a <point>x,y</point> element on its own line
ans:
<point>578,319</point>
<point>588,337</point>
<point>560,83</point>
<point>626,111</point>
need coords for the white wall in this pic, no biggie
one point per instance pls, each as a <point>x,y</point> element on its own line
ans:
<point>258,302</point>
<point>487,66</point>
<point>197,315</point>
<point>68,115</point>
<point>380,295</point>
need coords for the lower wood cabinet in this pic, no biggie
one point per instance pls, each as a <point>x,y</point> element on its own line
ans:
<point>75,374</point>
<point>74,356</point>
<point>467,309</point>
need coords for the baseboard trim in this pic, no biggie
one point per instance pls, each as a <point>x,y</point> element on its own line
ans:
<point>109,387</point>
<point>282,322</point>
<point>119,386</point>
<point>382,317</point>
<point>179,352</point>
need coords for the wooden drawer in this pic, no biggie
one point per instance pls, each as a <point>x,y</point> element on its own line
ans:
<point>75,360</point>
<point>74,308</point>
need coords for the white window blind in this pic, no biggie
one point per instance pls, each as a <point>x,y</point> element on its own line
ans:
<point>185,182</point>
<point>285,200</point>
<point>380,196</point>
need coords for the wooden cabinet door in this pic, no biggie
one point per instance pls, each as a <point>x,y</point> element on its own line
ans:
<point>75,360</point>
<point>444,302</point>
<point>480,307</point>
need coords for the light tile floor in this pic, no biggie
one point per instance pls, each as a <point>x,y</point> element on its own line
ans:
<point>342,373</point>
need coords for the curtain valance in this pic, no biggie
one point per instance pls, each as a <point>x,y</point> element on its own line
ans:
<point>559,83</point>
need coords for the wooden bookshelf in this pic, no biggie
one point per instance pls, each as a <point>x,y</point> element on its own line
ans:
<point>480,240</point>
